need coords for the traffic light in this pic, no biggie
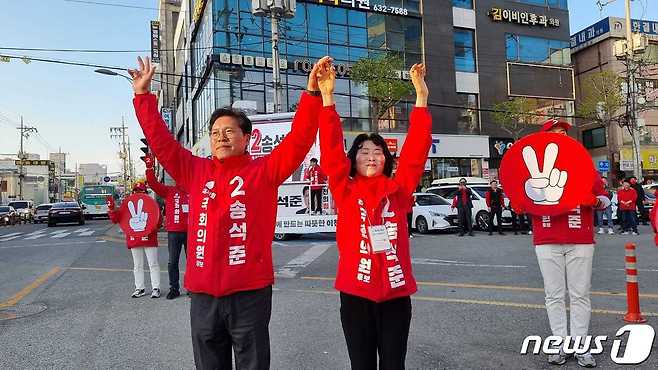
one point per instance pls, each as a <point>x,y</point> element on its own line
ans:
<point>144,149</point>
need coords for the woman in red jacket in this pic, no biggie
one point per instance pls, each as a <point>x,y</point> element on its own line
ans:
<point>147,245</point>
<point>374,275</point>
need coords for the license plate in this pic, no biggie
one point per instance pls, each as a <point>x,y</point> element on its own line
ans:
<point>98,207</point>
<point>65,213</point>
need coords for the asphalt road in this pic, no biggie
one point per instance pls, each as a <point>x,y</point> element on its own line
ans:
<point>65,303</point>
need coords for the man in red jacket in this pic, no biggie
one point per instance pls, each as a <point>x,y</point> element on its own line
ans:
<point>627,198</point>
<point>495,203</point>
<point>564,246</point>
<point>233,205</point>
<point>316,178</point>
<point>176,209</point>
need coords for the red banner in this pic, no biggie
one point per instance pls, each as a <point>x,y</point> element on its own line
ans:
<point>548,174</point>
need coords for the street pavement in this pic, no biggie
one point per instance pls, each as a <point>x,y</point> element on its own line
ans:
<point>65,302</point>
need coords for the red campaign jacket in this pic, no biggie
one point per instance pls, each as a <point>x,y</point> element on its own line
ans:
<point>625,196</point>
<point>654,226</point>
<point>375,276</point>
<point>501,197</point>
<point>315,176</point>
<point>575,227</point>
<point>177,204</point>
<point>151,240</point>
<point>233,202</point>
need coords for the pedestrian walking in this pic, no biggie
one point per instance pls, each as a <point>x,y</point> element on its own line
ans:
<point>374,275</point>
<point>177,208</point>
<point>495,203</point>
<point>139,247</point>
<point>607,211</point>
<point>627,198</point>
<point>233,204</point>
<point>464,204</point>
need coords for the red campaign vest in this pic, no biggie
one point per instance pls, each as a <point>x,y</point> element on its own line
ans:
<point>233,202</point>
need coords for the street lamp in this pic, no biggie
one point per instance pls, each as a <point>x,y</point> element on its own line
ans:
<point>108,72</point>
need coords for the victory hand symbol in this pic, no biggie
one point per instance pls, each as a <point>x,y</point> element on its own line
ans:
<point>544,187</point>
<point>138,218</point>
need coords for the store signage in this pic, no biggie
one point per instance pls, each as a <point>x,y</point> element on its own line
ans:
<point>600,28</point>
<point>499,146</point>
<point>155,41</point>
<point>524,18</point>
<point>250,61</point>
<point>198,10</point>
<point>364,5</point>
<point>34,162</point>
<point>647,27</point>
<point>392,144</point>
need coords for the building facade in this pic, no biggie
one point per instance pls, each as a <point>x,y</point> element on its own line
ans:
<point>478,53</point>
<point>593,51</point>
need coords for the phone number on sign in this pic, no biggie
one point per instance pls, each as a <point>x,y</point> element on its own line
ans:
<point>390,9</point>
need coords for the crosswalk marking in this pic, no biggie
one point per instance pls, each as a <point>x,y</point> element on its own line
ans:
<point>5,238</point>
<point>45,233</point>
<point>60,235</point>
<point>292,268</point>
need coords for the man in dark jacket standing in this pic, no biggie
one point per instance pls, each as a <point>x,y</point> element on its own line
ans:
<point>644,214</point>
<point>495,203</point>
<point>464,205</point>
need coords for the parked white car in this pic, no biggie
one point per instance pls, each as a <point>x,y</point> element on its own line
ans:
<point>479,186</point>
<point>431,212</point>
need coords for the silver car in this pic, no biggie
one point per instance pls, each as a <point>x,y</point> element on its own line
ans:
<point>41,213</point>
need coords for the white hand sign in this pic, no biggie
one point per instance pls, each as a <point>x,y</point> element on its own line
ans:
<point>138,218</point>
<point>544,187</point>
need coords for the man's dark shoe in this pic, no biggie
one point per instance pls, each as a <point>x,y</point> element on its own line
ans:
<point>490,233</point>
<point>173,293</point>
<point>461,234</point>
<point>471,234</point>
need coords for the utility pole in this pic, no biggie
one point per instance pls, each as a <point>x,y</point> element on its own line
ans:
<point>631,109</point>
<point>275,9</point>
<point>25,133</point>
<point>120,133</point>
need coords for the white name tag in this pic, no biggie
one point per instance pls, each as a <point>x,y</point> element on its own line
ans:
<point>185,208</point>
<point>379,239</point>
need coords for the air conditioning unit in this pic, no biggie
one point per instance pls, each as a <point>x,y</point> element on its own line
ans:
<point>640,42</point>
<point>619,48</point>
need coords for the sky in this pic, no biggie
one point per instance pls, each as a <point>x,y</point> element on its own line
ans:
<point>73,108</point>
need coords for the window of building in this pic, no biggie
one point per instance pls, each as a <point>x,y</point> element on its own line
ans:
<point>594,138</point>
<point>466,4</point>
<point>528,49</point>
<point>464,50</point>
<point>468,118</point>
<point>560,4</point>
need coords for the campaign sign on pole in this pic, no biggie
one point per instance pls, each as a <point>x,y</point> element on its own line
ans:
<point>548,174</point>
<point>140,215</point>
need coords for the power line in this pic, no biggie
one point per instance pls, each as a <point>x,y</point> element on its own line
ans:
<point>297,87</point>
<point>110,4</point>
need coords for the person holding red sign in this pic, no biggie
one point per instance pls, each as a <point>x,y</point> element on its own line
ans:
<point>139,245</point>
<point>627,198</point>
<point>233,205</point>
<point>176,210</point>
<point>561,194</point>
<point>374,275</point>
